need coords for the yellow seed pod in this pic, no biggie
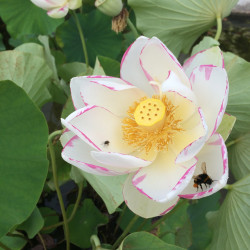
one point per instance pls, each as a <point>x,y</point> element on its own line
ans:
<point>149,112</point>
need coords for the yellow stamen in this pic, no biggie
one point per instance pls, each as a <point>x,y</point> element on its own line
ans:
<point>156,133</point>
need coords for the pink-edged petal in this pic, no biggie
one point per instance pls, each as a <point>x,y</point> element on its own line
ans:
<point>214,154</point>
<point>58,12</point>
<point>110,93</point>
<point>174,84</point>
<point>75,4</point>
<point>48,4</point>
<point>157,60</point>
<point>212,56</point>
<point>96,125</point>
<point>77,83</point>
<point>210,85</point>
<point>131,70</point>
<point>187,142</point>
<point>78,153</point>
<point>142,205</point>
<point>164,179</point>
<point>120,160</point>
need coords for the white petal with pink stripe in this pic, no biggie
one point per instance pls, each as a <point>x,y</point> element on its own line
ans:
<point>79,154</point>
<point>96,125</point>
<point>212,56</point>
<point>58,12</point>
<point>210,85</point>
<point>131,69</point>
<point>48,4</point>
<point>156,61</point>
<point>142,205</point>
<point>111,93</point>
<point>163,179</point>
<point>214,154</point>
<point>120,160</point>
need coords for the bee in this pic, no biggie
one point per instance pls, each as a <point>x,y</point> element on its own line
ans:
<point>202,178</point>
<point>106,143</point>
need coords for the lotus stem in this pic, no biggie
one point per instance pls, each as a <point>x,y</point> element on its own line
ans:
<point>84,47</point>
<point>78,199</point>
<point>59,194</point>
<point>42,241</point>
<point>120,219</point>
<point>125,232</point>
<point>132,27</point>
<point>219,28</point>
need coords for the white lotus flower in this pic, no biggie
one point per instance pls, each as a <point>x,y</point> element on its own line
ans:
<point>58,8</point>
<point>156,123</point>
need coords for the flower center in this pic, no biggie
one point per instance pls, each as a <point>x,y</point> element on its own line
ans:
<point>149,112</point>
<point>151,124</point>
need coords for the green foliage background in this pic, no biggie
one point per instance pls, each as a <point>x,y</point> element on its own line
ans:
<point>38,57</point>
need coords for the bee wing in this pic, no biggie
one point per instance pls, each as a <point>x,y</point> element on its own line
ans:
<point>203,167</point>
<point>197,177</point>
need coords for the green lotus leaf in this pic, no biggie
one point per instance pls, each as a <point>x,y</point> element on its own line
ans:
<point>144,240</point>
<point>33,224</point>
<point>13,243</point>
<point>239,157</point>
<point>231,223</point>
<point>100,39</point>
<point>70,70</point>
<point>110,66</point>
<point>239,92</point>
<point>50,218</point>
<point>85,223</point>
<point>23,17</point>
<point>23,160</point>
<point>201,233</point>
<point>108,187</point>
<point>28,71</point>
<point>178,23</point>
<point>31,48</point>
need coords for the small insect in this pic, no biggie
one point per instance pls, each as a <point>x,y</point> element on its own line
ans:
<point>202,178</point>
<point>106,143</point>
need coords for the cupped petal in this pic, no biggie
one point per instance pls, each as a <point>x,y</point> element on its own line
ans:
<point>174,84</point>
<point>58,12</point>
<point>97,126</point>
<point>157,60</point>
<point>190,139</point>
<point>210,85</point>
<point>142,205</point>
<point>171,178</point>
<point>214,154</point>
<point>75,4</point>
<point>109,92</point>
<point>120,160</point>
<point>48,4</point>
<point>78,153</point>
<point>131,69</point>
<point>212,56</point>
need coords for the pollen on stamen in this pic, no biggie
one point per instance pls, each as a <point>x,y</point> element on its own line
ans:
<point>142,137</point>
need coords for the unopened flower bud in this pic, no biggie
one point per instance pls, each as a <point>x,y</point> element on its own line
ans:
<point>109,7</point>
